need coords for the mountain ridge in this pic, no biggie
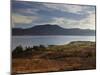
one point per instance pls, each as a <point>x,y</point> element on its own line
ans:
<point>49,29</point>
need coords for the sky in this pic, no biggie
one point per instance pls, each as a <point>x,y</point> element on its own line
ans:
<point>26,14</point>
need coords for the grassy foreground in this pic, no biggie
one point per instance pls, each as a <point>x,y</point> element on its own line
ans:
<point>77,55</point>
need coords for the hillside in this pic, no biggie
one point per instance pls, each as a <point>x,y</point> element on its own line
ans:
<point>78,55</point>
<point>51,30</point>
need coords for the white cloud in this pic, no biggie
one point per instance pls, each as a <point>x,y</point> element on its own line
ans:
<point>28,11</point>
<point>59,21</point>
<point>87,23</point>
<point>21,19</point>
<point>66,23</point>
<point>65,8</point>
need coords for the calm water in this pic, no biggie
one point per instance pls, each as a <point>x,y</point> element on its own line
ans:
<point>47,40</point>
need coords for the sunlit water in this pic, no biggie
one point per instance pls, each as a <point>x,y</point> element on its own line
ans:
<point>27,41</point>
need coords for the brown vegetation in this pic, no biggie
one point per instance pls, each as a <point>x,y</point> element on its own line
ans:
<point>79,55</point>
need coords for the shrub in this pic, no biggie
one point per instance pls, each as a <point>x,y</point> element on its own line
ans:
<point>18,49</point>
<point>42,46</point>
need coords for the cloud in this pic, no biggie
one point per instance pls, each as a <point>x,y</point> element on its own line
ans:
<point>21,19</point>
<point>70,7</point>
<point>28,11</point>
<point>25,14</point>
<point>87,23</point>
<point>64,7</point>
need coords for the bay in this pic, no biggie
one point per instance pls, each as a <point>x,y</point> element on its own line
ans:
<point>28,41</point>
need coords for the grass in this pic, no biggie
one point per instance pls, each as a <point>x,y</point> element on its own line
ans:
<point>77,55</point>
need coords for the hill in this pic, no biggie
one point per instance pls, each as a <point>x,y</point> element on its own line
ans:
<point>48,29</point>
<point>77,55</point>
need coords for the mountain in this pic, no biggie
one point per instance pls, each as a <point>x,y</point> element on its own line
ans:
<point>48,29</point>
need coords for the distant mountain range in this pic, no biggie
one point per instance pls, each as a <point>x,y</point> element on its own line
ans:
<point>48,29</point>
